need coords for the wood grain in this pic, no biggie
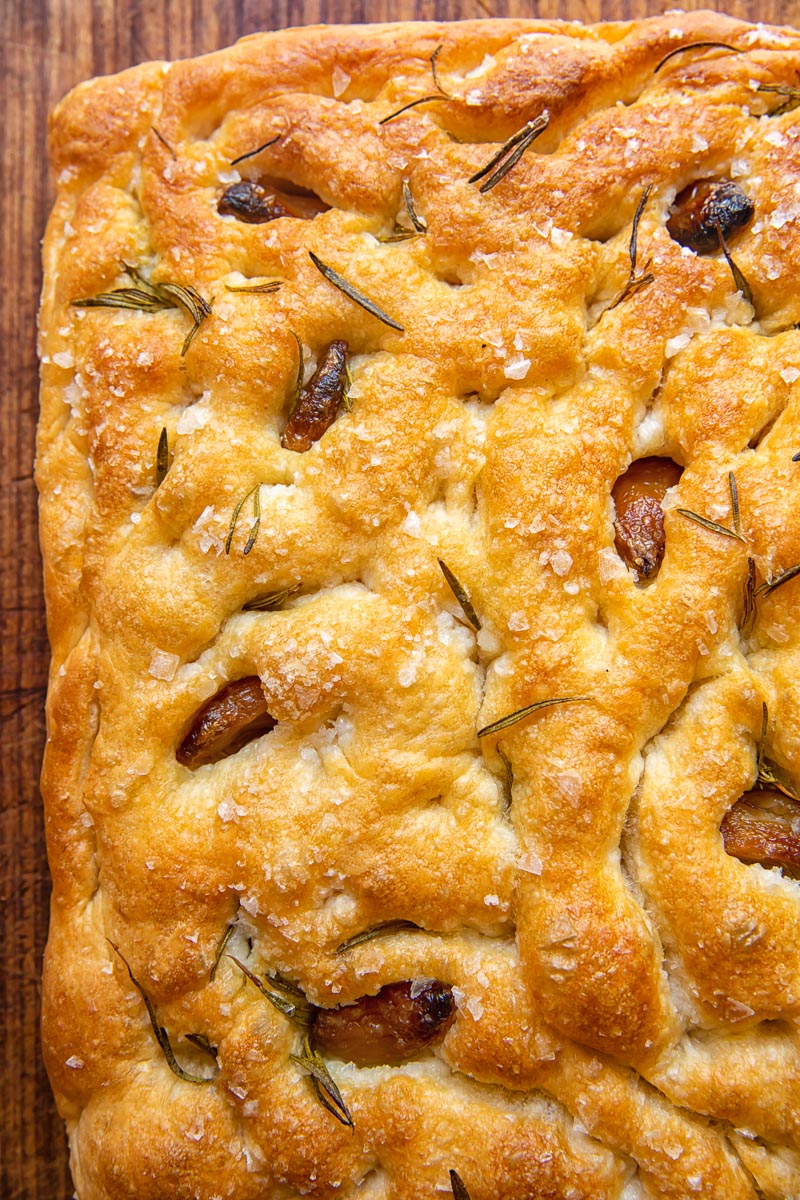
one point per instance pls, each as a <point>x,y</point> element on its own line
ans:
<point>46,46</point>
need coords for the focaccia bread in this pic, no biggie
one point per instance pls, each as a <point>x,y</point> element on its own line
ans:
<point>349,339</point>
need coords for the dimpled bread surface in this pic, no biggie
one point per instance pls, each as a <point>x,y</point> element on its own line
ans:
<point>627,993</point>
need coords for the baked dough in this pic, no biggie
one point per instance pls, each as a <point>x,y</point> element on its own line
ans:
<point>627,993</point>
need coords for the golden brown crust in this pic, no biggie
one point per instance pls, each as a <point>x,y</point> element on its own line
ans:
<point>627,994</point>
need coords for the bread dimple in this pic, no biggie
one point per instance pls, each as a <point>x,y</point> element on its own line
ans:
<point>626,992</point>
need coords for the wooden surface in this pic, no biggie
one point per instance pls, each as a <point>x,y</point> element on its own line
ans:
<point>46,46</point>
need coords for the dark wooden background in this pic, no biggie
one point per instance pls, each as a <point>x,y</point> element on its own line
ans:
<point>46,46</point>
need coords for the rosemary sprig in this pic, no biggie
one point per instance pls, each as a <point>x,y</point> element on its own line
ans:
<point>750,607</point>
<point>272,285</point>
<point>738,278</point>
<point>258,149</point>
<point>255,493</point>
<point>162,457</point>
<point>770,775</point>
<point>159,1032</point>
<point>694,46</point>
<point>399,233</point>
<point>376,931</point>
<point>521,713</point>
<point>791,96</point>
<point>461,594</point>
<point>323,1083</point>
<point>406,107</point>
<point>436,82</point>
<point>457,1184</point>
<point>153,297</point>
<point>636,282</point>
<point>508,782</point>
<point>419,223</point>
<point>164,142</point>
<point>711,525</point>
<point>270,601</point>
<point>737,524</point>
<point>202,1043</point>
<point>359,298</point>
<point>221,950</point>
<point>767,589</point>
<point>282,995</point>
<point>510,153</point>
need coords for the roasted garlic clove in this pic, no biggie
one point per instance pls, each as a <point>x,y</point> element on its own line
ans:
<point>703,209</point>
<point>236,715</point>
<point>639,523</point>
<point>250,202</point>
<point>319,401</point>
<point>764,827</point>
<point>390,1027</point>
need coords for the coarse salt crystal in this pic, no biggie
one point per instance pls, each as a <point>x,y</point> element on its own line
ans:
<point>570,784</point>
<point>611,565</point>
<point>74,1062</point>
<point>163,665</point>
<point>229,176</point>
<point>789,374</point>
<point>135,518</point>
<point>228,810</point>
<point>699,143</point>
<point>418,986</point>
<point>491,901</point>
<point>675,344</point>
<point>250,904</point>
<point>473,97</point>
<point>560,237</point>
<point>412,525</point>
<point>192,418</point>
<point>530,863</point>
<point>517,367</point>
<point>561,561</point>
<point>339,81</point>
<point>64,359</point>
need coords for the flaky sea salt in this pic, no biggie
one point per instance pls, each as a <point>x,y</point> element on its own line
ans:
<point>163,665</point>
<point>570,784</point>
<point>561,561</point>
<point>611,565</point>
<point>789,374</point>
<point>195,417</point>
<point>228,810</point>
<point>517,367</point>
<point>530,863</point>
<point>339,81</point>
<point>676,344</point>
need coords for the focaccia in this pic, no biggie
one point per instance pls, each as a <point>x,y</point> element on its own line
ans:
<point>421,781</point>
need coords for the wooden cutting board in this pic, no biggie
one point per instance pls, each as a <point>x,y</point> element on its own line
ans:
<point>46,46</point>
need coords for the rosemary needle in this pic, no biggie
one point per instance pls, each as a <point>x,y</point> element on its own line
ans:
<point>258,149</point>
<point>353,293</point>
<point>521,713</point>
<point>499,165</point>
<point>694,46</point>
